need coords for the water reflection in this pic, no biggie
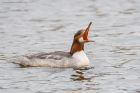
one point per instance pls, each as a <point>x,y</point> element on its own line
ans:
<point>79,74</point>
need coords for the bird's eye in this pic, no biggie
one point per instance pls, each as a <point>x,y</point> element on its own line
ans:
<point>81,40</point>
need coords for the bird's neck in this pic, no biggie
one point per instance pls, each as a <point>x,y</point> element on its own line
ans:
<point>76,46</point>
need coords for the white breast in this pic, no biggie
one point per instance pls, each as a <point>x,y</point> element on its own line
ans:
<point>80,59</point>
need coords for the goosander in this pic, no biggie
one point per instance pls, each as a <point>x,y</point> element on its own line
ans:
<point>75,58</point>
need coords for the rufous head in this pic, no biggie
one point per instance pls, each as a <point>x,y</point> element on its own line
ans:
<point>80,38</point>
<point>82,35</point>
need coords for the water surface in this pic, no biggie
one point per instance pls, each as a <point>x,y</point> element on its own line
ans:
<point>32,26</point>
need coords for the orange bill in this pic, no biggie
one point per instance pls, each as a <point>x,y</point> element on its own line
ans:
<point>85,35</point>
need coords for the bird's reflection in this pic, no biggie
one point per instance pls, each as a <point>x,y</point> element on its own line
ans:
<point>79,74</point>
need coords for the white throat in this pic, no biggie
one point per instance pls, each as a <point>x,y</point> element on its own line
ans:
<point>80,59</point>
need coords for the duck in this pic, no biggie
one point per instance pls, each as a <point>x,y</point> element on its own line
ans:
<point>75,58</point>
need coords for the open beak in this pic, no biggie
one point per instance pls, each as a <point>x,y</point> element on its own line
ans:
<point>85,35</point>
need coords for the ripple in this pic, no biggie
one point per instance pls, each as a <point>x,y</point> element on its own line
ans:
<point>30,26</point>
